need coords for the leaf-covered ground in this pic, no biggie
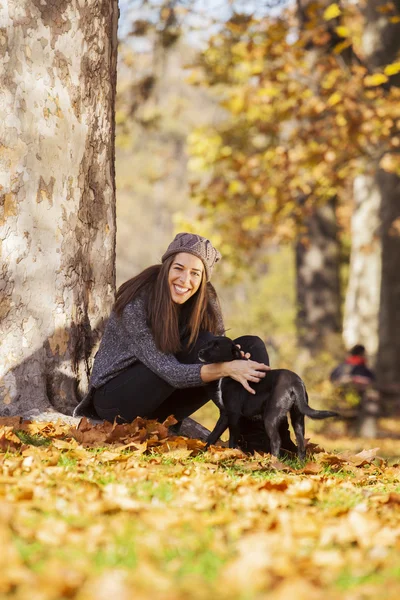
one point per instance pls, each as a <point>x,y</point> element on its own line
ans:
<point>126,512</point>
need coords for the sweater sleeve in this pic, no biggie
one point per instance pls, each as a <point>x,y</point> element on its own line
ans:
<point>143,346</point>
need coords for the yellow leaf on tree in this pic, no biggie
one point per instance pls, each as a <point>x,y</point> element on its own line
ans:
<point>251,222</point>
<point>377,79</point>
<point>226,151</point>
<point>235,187</point>
<point>390,163</point>
<point>334,99</point>
<point>342,31</point>
<point>385,8</point>
<point>342,46</point>
<point>332,12</point>
<point>236,104</point>
<point>269,91</point>
<point>392,69</point>
<point>341,120</point>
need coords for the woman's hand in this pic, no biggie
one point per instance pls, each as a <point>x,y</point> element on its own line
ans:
<point>247,355</point>
<point>244,371</point>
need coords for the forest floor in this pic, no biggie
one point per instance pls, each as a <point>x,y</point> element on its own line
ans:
<point>124,511</point>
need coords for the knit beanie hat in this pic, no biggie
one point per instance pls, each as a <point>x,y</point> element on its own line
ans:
<point>197,245</point>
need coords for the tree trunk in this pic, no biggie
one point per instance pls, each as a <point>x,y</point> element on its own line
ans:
<point>317,251</point>
<point>381,42</point>
<point>57,217</point>
<point>317,280</point>
<point>372,313</point>
<point>361,310</point>
<point>388,363</point>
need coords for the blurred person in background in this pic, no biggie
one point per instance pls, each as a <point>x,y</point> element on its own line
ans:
<point>354,369</point>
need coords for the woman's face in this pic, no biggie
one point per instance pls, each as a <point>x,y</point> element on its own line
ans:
<point>184,276</point>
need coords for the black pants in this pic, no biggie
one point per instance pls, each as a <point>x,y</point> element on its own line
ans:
<point>138,391</point>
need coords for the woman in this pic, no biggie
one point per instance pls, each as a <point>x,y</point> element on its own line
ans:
<point>148,355</point>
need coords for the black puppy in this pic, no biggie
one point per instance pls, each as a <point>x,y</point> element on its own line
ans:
<point>279,392</point>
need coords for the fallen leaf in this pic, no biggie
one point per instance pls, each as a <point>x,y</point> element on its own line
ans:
<point>280,466</point>
<point>218,454</point>
<point>10,422</point>
<point>8,440</point>
<point>364,457</point>
<point>304,488</point>
<point>275,486</point>
<point>169,421</point>
<point>311,468</point>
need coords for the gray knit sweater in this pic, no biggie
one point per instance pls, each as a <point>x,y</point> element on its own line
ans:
<point>128,339</point>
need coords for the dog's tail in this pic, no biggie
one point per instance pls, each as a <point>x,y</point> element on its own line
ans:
<point>305,409</point>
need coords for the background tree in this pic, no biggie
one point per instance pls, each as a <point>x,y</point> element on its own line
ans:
<point>292,132</point>
<point>382,47</point>
<point>318,291</point>
<point>57,218</point>
<point>156,109</point>
<point>317,246</point>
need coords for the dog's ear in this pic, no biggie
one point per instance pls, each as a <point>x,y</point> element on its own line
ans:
<point>236,352</point>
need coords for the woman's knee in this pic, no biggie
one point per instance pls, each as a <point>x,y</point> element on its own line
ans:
<point>250,340</point>
<point>255,346</point>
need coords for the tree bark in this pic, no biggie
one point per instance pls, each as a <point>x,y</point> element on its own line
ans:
<point>388,362</point>
<point>317,280</point>
<point>57,215</point>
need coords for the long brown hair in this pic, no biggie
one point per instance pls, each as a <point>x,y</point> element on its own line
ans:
<point>166,319</point>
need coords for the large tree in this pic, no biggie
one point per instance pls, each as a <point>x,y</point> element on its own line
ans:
<point>57,219</point>
<point>372,313</point>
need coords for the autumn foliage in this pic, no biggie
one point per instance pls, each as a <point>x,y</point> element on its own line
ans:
<point>304,114</point>
<point>126,510</point>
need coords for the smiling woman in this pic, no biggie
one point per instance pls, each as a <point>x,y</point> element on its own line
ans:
<point>148,356</point>
<point>184,277</point>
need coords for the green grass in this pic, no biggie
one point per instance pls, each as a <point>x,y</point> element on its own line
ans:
<point>32,553</point>
<point>339,473</point>
<point>349,581</point>
<point>121,553</point>
<point>118,552</point>
<point>184,551</point>
<point>32,439</point>
<point>200,560</point>
<point>67,461</point>
<point>149,490</point>
<point>339,498</point>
